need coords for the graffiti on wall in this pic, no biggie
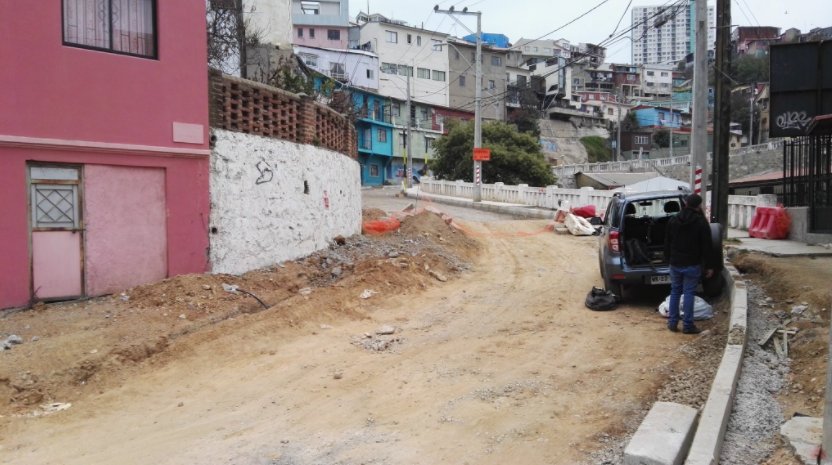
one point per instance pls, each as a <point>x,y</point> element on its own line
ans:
<point>266,173</point>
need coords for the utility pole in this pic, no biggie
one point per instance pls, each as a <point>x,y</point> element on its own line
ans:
<point>699,147</point>
<point>722,117</point>
<point>240,27</point>
<point>751,115</point>
<point>672,116</point>
<point>618,137</point>
<point>478,91</point>
<point>407,142</point>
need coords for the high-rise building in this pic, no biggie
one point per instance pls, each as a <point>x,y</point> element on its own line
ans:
<point>665,33</point>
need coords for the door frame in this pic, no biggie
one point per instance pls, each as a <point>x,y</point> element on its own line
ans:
<point>79,230</point>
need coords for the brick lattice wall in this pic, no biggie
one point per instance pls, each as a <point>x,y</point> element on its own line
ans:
<point>250,107</point>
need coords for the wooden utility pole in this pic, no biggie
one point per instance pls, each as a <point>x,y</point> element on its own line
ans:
<point>722,117</point>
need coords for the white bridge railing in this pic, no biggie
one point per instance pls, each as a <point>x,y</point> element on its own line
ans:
<point>741,208</point>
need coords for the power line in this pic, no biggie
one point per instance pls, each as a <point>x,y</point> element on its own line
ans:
<point>673,4</point>
<point>567,24</point>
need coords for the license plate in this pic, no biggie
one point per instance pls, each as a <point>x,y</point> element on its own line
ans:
<point>660,279</point>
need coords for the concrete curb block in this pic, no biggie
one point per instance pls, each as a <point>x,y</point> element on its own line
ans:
<point>525,212</point>
<point>707,442</point>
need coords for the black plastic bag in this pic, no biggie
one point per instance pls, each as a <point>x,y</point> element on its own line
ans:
<point>601,299</point>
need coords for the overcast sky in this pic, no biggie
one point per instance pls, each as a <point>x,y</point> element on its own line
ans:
<point>533,18</point>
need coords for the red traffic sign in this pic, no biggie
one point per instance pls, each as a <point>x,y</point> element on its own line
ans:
<point>482,154</point>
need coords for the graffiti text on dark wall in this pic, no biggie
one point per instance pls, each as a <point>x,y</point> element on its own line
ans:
<point>793,120</point>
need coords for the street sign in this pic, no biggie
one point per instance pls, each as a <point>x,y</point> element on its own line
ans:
<point>482,154</point>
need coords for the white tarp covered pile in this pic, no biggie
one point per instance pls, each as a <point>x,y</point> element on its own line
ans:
<point>578,226</point>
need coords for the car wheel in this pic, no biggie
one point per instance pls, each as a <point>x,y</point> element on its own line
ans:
<point>716,240</point>
<point>614,287</point>
<point>713,286</point>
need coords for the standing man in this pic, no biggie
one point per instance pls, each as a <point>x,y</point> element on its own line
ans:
<point>688,244</point>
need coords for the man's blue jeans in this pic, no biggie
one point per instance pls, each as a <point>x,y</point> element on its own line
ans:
<point>683,280</point>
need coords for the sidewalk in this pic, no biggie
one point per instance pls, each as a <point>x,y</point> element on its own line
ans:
<point>775,248</point>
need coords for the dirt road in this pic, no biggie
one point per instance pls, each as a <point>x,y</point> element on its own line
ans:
<point>502,364</point>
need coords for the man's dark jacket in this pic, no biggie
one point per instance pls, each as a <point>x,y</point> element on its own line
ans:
<point>688,239</point>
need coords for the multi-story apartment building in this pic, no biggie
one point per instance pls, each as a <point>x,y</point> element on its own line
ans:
<point>462,90</point>
<point>665,33</point>
<point>321,23</point>
<point>355,68</point>
<point>407,51</point>
<point>656,80</point>
<point>743,37</point>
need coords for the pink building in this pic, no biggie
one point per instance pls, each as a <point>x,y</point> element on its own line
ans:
<point>322,24</point>
<point>104,154</point>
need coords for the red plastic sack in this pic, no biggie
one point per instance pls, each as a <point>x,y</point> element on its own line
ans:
<point>382,226</point>
<point>587,211</point>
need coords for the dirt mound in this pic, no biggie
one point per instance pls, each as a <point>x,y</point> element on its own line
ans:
<point>434,228</point>
<point>88,346</point>
<point>370,214</point>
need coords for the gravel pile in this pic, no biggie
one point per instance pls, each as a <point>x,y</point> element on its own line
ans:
<point>755,422</point>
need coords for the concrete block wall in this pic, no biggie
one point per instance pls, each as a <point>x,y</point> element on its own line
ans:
<point>274,200</point>
<point>254,108</point>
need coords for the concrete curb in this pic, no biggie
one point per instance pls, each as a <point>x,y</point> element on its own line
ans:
<point>707,442</point>
<point>526,212</point>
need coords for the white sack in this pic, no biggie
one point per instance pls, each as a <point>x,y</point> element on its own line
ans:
<point>701,310</point>
<point>578,226</point>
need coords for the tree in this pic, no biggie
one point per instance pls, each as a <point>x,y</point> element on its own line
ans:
<point>527,116</point>
<point>749,69</point>
<point>230,35</point>
<point>662,138</point>
<point>516,157</point>
<point>597,149</point>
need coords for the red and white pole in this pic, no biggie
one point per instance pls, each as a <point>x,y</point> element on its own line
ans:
<point>697,180</point>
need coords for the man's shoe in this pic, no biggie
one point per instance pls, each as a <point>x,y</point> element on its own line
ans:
<point>673,328</point>
<point>691,330</point>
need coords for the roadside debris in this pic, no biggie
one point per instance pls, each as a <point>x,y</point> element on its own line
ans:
<point>12,340</point>
<point>368,293</point>
<point>233,289</point>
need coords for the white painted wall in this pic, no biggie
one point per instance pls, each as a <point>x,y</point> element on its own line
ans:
<point>258,206</point>
<point>356,64</point>
<point>273,19</point>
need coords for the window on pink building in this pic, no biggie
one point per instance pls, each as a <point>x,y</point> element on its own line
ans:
<point>123,26</point>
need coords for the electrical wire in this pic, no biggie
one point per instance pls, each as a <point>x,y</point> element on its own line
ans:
<point>566,24</point>
<point>673,4</point>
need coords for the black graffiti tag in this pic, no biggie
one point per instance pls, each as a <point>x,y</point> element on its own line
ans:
<point>266,173</point>
<point>793,120</point>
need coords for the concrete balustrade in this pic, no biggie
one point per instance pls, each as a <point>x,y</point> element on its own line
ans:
<point>741,208</point>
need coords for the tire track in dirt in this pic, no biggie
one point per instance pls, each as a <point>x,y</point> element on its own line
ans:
<point>513,370</point>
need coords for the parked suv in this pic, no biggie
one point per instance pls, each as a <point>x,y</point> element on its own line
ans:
<point>631,245</point>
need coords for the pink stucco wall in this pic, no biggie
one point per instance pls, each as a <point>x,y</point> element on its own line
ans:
<point>79,98</point>
<point>125,224</point>
<point>187,212</point>
<point>65,92</point>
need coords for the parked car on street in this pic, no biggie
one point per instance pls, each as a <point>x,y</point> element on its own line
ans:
<point>631,244</point>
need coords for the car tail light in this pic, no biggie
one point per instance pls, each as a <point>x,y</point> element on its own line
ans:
<point>614,244</point>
